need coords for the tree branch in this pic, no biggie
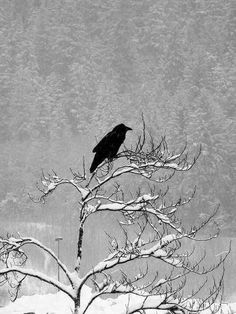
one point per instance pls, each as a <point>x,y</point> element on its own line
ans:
<point>16,244</point>
<point>41,276</point>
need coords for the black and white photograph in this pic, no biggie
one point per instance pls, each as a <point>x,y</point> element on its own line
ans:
<point>117,157</point>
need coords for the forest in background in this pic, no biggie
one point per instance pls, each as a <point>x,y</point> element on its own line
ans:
<point>71,70</point>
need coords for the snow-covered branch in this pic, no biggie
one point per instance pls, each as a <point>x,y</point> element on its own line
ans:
<point>41,276</point>
<point>17,243</point>
<point>134,250</point>
<point>50,183</point>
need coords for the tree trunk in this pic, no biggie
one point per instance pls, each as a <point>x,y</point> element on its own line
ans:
<point>79,247</point>
<point>77,306</point>
<point>80,241</point>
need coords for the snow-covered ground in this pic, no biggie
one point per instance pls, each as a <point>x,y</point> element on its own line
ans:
<point>59,303</point>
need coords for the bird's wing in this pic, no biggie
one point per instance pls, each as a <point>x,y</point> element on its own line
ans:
<point>104,141</point>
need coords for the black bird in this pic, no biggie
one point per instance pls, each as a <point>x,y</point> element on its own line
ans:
<point>109,145</point>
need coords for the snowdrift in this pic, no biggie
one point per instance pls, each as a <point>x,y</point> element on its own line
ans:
<point>59,303</point>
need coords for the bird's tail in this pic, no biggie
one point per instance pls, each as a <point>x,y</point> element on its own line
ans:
<point>96,161</point>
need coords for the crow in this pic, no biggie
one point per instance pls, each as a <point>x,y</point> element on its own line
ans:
<point>109,145</point>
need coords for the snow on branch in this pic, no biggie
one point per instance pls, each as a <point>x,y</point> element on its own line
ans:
<point>39,275</point>
<point>14,259</point>
<point>147,163</point>
<point>136,249</point>
<point>147,157</point>
<point>163,247</point>
<point>104,284</point>
<point>15,244</point>
<point>153,204</point>
<point>50,182</point>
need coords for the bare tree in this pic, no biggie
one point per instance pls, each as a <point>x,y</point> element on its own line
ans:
<point>148,213</point>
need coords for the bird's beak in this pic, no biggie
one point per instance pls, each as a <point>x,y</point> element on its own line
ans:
<point>128,129</point>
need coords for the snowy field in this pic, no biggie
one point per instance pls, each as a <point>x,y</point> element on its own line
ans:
<point>60,303</point>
